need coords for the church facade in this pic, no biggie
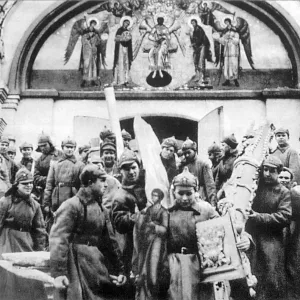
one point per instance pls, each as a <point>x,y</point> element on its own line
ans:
<point>57,57</point>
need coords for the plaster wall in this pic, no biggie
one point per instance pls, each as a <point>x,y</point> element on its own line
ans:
<point>57,117</point>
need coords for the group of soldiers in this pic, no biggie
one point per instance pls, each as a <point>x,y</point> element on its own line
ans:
<point>104,232</point>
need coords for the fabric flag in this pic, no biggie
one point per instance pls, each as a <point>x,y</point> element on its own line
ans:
<point>149,146</point>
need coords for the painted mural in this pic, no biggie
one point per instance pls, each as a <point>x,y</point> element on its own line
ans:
<point>163,45</point>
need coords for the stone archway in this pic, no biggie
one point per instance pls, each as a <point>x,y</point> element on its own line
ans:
<point>274,17</point>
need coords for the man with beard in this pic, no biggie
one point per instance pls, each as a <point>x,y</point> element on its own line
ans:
<point>42,165</point>
<point>12,167</point>
<point>288,156</point>
<point>26,161</point>
<point>63,178</point>
<point>85,258</point>
<point>108,155</point>
<point>214,154</point>
<point>271,213</point>
<point>201,170</point>
<point>128,201</point>
<point>169,148</point>
<point>225,167</point>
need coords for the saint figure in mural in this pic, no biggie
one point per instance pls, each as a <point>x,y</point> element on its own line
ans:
<point>93,51</point>
<point>158,55</point>
<point>231,54</point>
<point>201,47</point>
<point>123,52</point>
<point>227,47</point>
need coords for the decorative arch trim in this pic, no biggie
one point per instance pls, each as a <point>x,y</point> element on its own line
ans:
<point>272,15</point>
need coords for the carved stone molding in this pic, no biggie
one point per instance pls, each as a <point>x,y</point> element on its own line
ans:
<point>11,102</point>
<point>3,95</point>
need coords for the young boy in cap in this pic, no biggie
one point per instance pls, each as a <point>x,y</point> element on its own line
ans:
<point>288,156</point>
<point>26,161</point>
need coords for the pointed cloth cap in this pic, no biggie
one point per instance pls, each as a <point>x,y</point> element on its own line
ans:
<point>12,149</point>
<point>189,144</point>
<point>107,146</point>
<point>170,142</point>
<point>231,141</point>
<point>25,145</point>
<point>128,157</point>
<point>273,162</point>
<point>68,142</point>
<point>84,147</point>
<point>43,139</point>
<point>126,135</point>
<point>23,175</point>
<point>185,179</point>
<point>106,133</point>
<point>214,148</point>
<point>4,139</point>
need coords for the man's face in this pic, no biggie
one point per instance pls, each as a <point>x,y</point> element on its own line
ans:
<point>225,148</point>
<point>12,155</point>
<point>155,197</point>
<point>109,157</point>
<point>193,23</point>
<point>84,153</point>
<point>281,138</point>
<point>45,148</point>
<point>126,24</point>
<point>68,150</point>
<point>189,155</point>
<point>126,142</point>
<point>25,188</point>
<point>184,196</point>
<point>130,172</point>
<point>285,178</point>
<point>167,152</point>
<point>3,147</point>
<point>99,187</point>
<point>270,175</point>
<point>214,156</point>
<point>26,152</point>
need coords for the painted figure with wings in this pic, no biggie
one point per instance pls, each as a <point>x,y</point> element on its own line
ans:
<point>160,45</point>
<point>93,51</point>
<point>227,47</point>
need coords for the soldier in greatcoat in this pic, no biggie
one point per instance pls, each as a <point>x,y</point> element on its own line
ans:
<point>85,259</point>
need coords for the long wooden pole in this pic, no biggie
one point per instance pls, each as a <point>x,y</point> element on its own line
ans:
<point>114,118</point>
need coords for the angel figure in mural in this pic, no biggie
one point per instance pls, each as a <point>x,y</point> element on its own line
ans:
<point>93,52</point>
<point>123,52</point>
<point>160,48</point>
<point>228,47</point>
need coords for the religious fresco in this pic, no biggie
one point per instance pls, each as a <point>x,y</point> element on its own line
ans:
<point>162,45</point>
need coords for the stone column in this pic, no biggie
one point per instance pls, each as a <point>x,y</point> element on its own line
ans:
<point>9,110</point>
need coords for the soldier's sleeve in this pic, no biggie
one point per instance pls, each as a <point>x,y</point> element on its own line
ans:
<point>38,179</point>
<point>282,217</point>
<point>113,246</point>
<point>38,232</point>
<point>123,219</point>
<point>77,180</point>
<point>49,186</point>
<point>59,240</point>
<point>210,186</point>
<point>14,170</point>
<point>3,211</point>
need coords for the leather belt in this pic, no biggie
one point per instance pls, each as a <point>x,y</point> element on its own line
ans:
<point>69,184</point>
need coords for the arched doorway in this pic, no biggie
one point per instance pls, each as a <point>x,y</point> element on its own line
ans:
<point>165,126</point>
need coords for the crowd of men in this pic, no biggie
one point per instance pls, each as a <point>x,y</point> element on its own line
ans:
<point>66,186</point>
